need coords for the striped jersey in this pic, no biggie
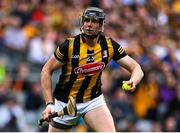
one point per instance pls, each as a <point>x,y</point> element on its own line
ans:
<point>83,65</point>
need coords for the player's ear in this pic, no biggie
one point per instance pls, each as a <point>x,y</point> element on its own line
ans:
<point>80,20</point>
<point>102,27</point>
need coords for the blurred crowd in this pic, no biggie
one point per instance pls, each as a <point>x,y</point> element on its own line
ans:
<point>149,31</point>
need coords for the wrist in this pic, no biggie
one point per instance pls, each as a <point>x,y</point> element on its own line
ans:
<point>51,106</point>
<point>49,103</point>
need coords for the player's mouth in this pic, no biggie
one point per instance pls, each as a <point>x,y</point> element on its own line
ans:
<point>89,31</point>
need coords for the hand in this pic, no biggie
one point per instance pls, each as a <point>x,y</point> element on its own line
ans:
<point>132,84</point>
<point>48,110</point>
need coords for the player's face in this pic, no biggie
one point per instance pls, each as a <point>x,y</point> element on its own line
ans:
<point>91,26</point>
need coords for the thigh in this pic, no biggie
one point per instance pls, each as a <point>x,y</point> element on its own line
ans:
<point>100,119</point>
<point>53,129</point>
<point>65,122</point>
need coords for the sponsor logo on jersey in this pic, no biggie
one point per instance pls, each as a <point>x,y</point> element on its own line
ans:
<point>90,69</point>
<point>75,56</point>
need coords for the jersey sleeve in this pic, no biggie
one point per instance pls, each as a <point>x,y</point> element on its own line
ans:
<point>119,52</point>
<point>61,52</point>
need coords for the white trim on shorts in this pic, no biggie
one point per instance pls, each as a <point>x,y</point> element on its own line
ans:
<point>82,109</point>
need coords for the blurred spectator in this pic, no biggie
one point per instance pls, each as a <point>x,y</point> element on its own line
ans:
<point>2,70</point>
<point>44,45</point>
<point>23,11</point>
<point>33,104</point>
<point>170,124</point>
<point>8,120</point>
<point>12,120</point>
<point>14,35</point>
<point>21,81</point>
<point>145,99</point>
<point>5,88</point>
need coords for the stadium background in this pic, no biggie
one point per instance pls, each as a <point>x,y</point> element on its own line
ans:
<point>149,30</point>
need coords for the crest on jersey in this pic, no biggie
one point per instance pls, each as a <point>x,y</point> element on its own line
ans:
<point>90,69</point>
<point>105,54</point>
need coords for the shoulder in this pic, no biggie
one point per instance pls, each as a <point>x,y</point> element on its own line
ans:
<point>68,40</point>
<point>73,37</point>
<point>108,39</point>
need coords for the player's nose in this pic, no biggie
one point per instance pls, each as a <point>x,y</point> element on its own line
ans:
<point>89,23</point>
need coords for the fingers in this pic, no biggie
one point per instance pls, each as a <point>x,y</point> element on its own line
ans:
<point>132,84</point>
<point>46,113</point>
<point>49,110</point>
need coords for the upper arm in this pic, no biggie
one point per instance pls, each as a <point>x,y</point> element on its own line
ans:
<point>128,63</point>
<point>51,65</point>
<point>57,60</point>
<point>122,58</point>
<point>119,52</point>
<point>61,53</point>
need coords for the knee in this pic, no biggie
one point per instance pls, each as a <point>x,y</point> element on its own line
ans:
<point>106,128</point>
<point>110,129</point>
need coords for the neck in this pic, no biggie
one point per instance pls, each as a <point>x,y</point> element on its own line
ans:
<point>91,42</point>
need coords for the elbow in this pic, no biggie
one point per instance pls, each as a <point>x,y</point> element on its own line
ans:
<point>45,72</point>
<point>141,72</point>
<point>138,69</point>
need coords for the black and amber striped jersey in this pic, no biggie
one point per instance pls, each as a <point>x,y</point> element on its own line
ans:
<point>83,65</point>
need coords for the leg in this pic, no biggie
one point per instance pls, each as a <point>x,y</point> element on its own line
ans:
<point>63,124</point>
<point>53,129</point>
<point>100,119</point>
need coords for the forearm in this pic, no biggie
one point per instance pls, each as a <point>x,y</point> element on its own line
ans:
<point>133,67</point>
<point>46,84</point>
<point>136,74</point>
